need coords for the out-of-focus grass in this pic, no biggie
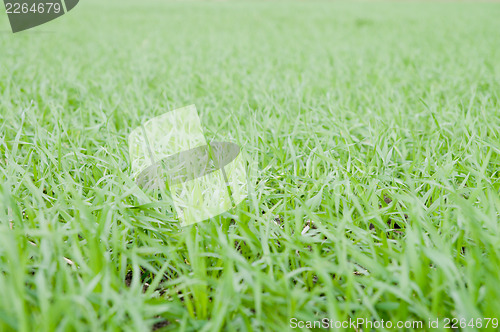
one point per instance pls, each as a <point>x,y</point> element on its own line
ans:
<point>375,123</point>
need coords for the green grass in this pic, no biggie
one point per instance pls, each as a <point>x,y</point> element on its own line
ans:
<point>379,123</point>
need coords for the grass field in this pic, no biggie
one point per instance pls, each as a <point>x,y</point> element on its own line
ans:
<point>372,135</point>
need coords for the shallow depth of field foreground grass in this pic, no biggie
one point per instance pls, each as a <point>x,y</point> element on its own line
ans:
<point>372,133</point>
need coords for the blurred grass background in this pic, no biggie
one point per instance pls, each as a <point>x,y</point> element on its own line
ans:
<point>372,135</point>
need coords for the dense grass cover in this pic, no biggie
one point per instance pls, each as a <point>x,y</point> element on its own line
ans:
<point>372,134</point>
